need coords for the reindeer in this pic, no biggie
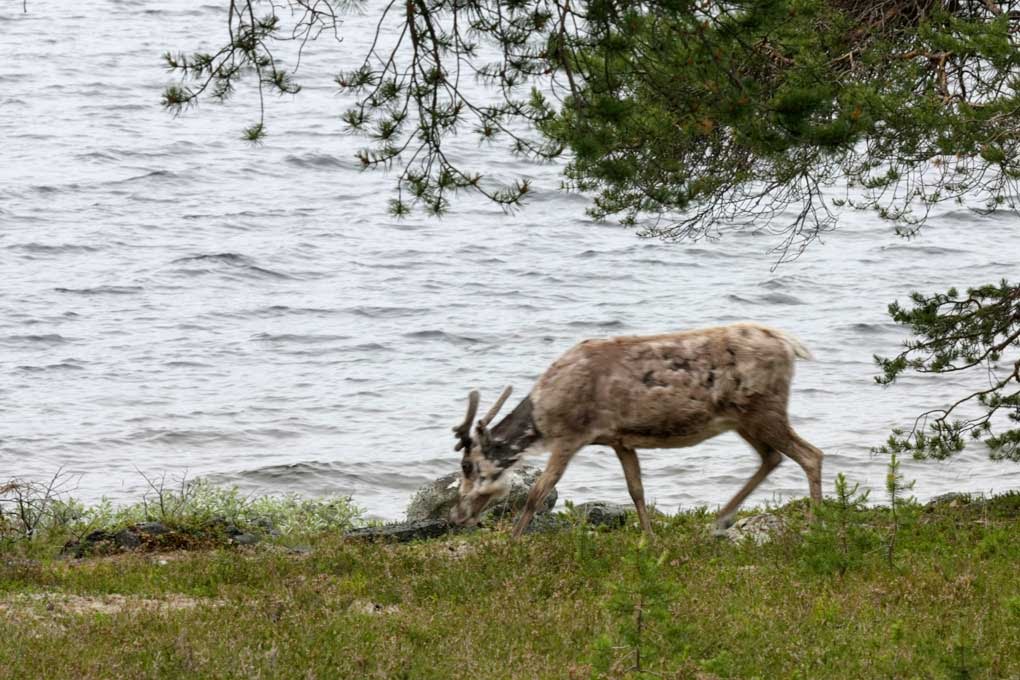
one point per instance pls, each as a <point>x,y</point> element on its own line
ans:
<point>661,391</point>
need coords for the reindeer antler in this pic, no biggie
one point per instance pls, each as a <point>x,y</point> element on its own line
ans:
<point>463,431</point>
<point>483,424</point>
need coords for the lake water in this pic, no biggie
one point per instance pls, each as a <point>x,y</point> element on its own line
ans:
<point>175,301</point>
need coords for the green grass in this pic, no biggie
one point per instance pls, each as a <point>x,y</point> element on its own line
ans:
<point>37,518</point>
<point>548,606</point>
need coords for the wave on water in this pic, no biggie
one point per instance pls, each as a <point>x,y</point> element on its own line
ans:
<point>107,155</point>
<point>442,336</point>
<point>780,299</point>
<point>204,436</point>
<point>232,263</point>
<point>383,312</point>
<point>915,249</point>
<point>162,175</point>
<point>368,347</point>
<point>50,189</point>
<point>612,323</point>
<point>276,311</point>
<point>309,339</point>
<point>674,264</point>
<point>51,249</point>
<point>773,298</point>
<point>101,290</point>
<point>795,281</point>
<point>317,160</point>
<point>186,364</point>
<point>872,328</point>
<point>65,365</point>
<point>32,339</point>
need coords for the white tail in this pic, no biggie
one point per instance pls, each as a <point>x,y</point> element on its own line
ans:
<point>799,350</point>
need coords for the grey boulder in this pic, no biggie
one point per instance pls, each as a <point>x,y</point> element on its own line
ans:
<point>602,514</point>
<point>757,528</point>
<point>402,532</point>
<point>435,500</point>
<point>954,499</point>
<point>245,539</point>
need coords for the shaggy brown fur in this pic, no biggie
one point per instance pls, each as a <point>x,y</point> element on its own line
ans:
<point>663,391</point>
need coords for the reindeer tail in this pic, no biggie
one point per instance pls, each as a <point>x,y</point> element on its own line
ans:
<point>799,350</point>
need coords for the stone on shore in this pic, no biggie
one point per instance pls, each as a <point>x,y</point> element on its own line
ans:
<point>955,499</point>
<point>149,536</point>
<point>244,539</point>
<point>402,532</point>
<point>435,500</point>
<point>757,528</point>
<point>602,514</point>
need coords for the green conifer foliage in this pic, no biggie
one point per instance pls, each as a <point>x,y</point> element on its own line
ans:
<point>976,333</point>
<point>705,115</point>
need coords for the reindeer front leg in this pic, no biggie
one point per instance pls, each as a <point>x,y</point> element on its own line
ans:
<point>546,481</point>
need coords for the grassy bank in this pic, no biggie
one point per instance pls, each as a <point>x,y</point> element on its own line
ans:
<point>821,600</point>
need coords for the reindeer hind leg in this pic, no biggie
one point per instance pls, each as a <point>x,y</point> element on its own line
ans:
<point>632,472</point>
<point>809,457</point>
<point>806,455</point>
<point>770,458</point>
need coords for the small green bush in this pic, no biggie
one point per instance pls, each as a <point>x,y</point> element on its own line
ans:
<point>44,514</point>
<point>839,540</point>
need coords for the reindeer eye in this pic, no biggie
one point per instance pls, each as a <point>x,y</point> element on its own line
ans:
<point>467,467</point>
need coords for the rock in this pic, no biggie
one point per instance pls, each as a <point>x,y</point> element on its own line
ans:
<point>266,526</point>
<point>150,536</point>
<point>953,499</point>
<point>435,500</point>
<point>127,539</point>
<point>81,547</point>
<point>97,536</point>
<point>93,537</point>
<point>403,532</point>
<point>757,528</point>
<point>221,525</point>
<point>152,528</point>
<point>602,514</point>
<point>245,539</point>
<point>101,542</point>
<point>547,523</point>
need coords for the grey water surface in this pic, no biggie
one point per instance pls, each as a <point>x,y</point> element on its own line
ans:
<point>175,301</point>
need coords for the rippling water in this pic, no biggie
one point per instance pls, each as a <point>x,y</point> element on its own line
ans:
<point>176,301</point>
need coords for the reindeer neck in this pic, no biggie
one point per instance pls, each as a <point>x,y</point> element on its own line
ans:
<point>513,435</point>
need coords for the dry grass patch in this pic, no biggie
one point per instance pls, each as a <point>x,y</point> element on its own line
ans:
<point>35,606</point>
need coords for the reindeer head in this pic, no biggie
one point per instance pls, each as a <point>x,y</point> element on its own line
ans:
<point>482,479</point>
